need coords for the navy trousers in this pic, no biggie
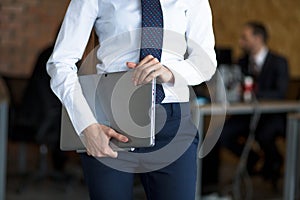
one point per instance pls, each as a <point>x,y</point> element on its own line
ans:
<point>175,181</point>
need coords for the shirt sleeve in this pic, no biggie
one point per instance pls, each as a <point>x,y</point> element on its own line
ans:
<point>61,66</point>
<point>200,63</point>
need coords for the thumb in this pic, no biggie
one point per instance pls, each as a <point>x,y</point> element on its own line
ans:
<point>131,65</point>
<point>111,153</point>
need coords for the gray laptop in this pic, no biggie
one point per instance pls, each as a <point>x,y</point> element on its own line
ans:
<point>117,103</point>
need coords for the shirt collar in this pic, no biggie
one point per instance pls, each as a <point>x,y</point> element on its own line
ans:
<point>260,57</point>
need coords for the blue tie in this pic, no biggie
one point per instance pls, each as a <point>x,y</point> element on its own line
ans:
<point>152,36</point>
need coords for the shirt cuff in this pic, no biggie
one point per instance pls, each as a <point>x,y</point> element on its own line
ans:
<point>176,91</point>
<point>184,73</point>
<point>80,113</point>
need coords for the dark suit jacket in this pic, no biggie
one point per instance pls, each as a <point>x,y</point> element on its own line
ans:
<point>273,78</point>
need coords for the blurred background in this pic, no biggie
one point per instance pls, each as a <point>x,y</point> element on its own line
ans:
<point>36,168</point>
<point>31,25</point>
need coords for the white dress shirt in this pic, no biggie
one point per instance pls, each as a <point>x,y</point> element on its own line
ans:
<point>260,58</point>
<point>188,47</point>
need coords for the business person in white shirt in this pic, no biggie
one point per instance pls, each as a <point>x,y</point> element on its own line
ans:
<point>191,62</point>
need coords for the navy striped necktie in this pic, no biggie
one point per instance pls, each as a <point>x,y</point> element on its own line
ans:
<point>152,35</point>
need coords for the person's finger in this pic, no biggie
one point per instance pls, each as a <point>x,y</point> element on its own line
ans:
<point>151,76</point>
<point>140,66</point>
<point>147,73</point>
<point>131,65</point>
<point>143,63</point>
<point>136,74</point>
<point>109,152</point>
<point>106,151</point>
<point>117,136</point>
<point>142,71</point>
<point>145,60</point>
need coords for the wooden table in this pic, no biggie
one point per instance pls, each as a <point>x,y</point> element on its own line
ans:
<point>265,107</point>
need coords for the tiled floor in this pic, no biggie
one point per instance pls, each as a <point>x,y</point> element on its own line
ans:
<point>74,187</point>
<point>260,189</point>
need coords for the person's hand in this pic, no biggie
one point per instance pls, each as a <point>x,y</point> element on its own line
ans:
<point>97,139</point>
<point>148,69</point>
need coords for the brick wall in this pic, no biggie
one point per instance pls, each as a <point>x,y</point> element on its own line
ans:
<point>27,26</point>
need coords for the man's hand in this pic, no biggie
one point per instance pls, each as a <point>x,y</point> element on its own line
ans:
<point>97,139</point>
<point>148,69</point>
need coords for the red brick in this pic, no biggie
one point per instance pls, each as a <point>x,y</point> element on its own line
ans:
<point>26,28</point>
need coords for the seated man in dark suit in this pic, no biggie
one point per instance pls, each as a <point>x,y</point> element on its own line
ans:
<point>270,75</point>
